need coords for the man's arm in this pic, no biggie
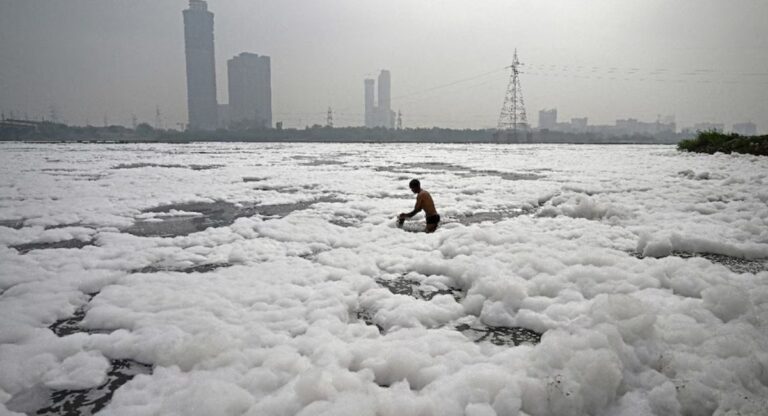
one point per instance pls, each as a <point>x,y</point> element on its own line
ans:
<point>416,208</point>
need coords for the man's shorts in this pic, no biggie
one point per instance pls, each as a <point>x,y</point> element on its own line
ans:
<point>433,219</point>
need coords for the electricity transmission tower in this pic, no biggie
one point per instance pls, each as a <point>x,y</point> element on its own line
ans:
<point>513,123</point>
<point>158,118</point>
<point>329,118</point>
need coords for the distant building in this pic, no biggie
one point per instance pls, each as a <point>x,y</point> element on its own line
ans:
<point>579,125</point>
<point>386,115</point>
<point>224,118</point>
<point>548,119</point>
<point>631,127</point>
<point>718,127</point>
<point>745,129</point>
<point>201,67</point>
<point>250,90</point>
<point>370,106</point>
<point>381,115</point>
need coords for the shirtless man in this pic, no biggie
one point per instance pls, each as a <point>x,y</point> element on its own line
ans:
<point>423,201</point>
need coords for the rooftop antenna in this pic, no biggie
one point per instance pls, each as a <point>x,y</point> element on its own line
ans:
<point>513,119</point>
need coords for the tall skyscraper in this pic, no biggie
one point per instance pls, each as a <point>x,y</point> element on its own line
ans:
<point>381,115</point>
<point>370,106</point>
<point>250,90</point>
<point>201,67</point>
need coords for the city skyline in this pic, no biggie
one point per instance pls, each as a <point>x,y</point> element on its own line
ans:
<point>91,60</point>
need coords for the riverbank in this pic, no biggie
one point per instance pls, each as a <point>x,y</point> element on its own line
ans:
<point>713,142</point>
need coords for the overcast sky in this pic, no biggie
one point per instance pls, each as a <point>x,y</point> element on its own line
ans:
<point>700,60</point>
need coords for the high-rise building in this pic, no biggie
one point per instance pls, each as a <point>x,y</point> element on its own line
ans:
<point>370,107</point>
<point>381,115</point>
<point>548,119</point>
<point>250,90</point>
<point>201,67</point>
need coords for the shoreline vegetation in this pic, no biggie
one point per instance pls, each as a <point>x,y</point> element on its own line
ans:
<point>57,132</point>
<point>713,142</point>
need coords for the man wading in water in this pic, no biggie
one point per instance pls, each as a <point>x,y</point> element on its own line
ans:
<point>423,201</point>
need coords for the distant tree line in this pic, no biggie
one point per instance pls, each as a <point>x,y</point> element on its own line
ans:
<point>48,131</point>
<point>713,142</point>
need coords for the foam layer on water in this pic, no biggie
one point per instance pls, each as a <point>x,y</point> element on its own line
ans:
<point>562,280</point>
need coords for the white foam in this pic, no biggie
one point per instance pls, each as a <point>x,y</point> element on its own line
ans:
<point>629,327</point>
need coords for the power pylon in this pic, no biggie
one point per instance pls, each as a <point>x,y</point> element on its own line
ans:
<point>329,118</point>
<point>158,118</point>
<point>512,120</point>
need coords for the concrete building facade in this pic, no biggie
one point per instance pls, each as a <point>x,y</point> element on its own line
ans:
<point>380,115</point>
<point>250,91</point>
<point>548,119</point>
<point>201,67</point>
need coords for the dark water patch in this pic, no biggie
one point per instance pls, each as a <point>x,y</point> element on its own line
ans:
<point>67,244</point>
<point>15,224</point>
<point>89,178</point>
<point>201,268</point>
<point>735,264</point>
<point>147,165</point>
<point>253,179</point>
<point>213,214</point>
<point>399,170</point>
<point>387,195</point>
<point>499,335</point>
<point>486,216</point>
<point>593,192</point>
<point>322,162</point>
<point>58,170</point>
<point>280,189</point>
<point>404,286</point>
<point>71,325</point>
<point>438,166</point>
<point>366,316</point>
<point>57,226</point>
<point>87,402</point>
<point>205,167</point>
<point>345,222</point>
<point>344,154</point>
<point>282,210</point>
<point>508,176</point>
<point>285,189</point>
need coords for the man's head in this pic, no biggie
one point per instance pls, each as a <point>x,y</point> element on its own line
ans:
<point>415,186</point>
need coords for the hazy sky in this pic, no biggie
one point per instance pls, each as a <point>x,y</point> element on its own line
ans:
<point>700,60</point>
